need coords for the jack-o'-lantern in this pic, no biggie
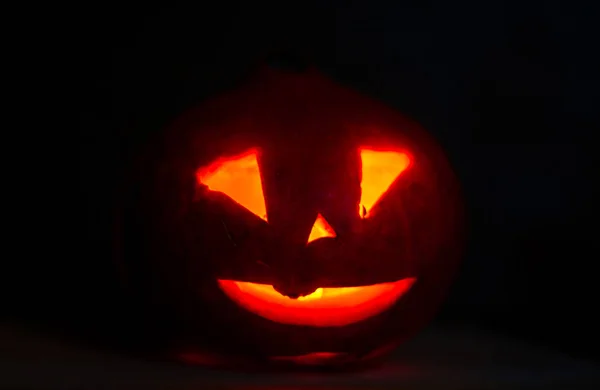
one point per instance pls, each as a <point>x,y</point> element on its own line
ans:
<point>292,221</point>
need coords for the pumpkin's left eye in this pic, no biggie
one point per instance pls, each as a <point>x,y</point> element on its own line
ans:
<point>239,178</point>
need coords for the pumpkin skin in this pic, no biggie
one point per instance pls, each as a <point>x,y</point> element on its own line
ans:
<point>293,222</point>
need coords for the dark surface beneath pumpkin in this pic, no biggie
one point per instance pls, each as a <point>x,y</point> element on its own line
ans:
<point>439,358</point>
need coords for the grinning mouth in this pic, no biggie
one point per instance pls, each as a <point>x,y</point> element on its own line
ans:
<point>325,307</point>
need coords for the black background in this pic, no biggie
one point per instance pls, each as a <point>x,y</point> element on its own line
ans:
<point>508,88</point>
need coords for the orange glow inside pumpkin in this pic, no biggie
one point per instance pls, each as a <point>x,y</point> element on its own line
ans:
<point>239,178</point>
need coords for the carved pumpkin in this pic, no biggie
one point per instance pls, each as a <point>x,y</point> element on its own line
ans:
<point>292,221</point>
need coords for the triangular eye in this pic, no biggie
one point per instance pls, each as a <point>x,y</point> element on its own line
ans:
<point>320,229</point>
<point>379,171</point>
<point>239,178</point>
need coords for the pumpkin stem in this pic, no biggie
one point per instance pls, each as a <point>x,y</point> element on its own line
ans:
<point>287,62</point>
